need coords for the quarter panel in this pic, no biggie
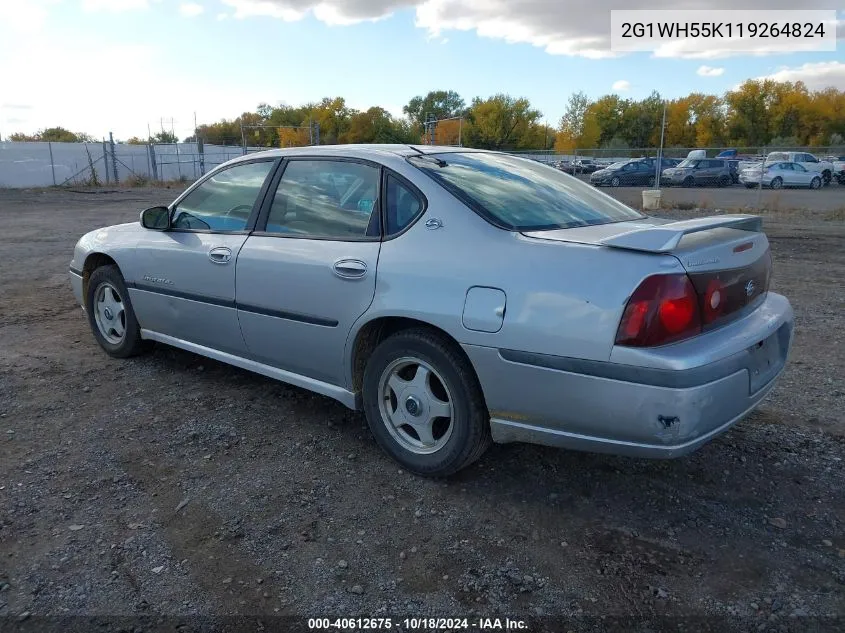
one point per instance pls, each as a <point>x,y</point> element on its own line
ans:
<point>562,298</point>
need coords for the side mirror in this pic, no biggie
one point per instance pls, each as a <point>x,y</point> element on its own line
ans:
<point>156,218</point>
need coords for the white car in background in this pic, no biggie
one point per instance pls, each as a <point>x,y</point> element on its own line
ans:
<point>780,174</point>
<point>823,168</point>
<point>838,168</point>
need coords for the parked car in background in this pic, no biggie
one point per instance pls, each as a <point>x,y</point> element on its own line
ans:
<point>665,162</point>
<point>585,166</point>
<point>811,163</point>
<point>625,173</point>
<point>733,165</point>
<point>698,171</point>
<point>779,175</point>
<point>564,165</point>
<point>606,331</point>
<point>838,168</point>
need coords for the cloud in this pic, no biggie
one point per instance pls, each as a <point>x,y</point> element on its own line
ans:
<point>709,71</point>
<point>114,6</point>
<point>816,76</point>
<point>15,106</point>
<point>191,9</point>
<point>25,17</point>
<point>139,91</point>
<point>580,28</point>
<point>621,86</point>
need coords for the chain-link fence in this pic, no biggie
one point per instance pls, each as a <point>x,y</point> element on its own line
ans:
<point>97,164</point>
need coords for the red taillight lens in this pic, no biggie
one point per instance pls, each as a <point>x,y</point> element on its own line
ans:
<point>663,309</point>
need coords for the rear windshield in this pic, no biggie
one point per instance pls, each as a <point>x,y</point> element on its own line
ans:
<point>521,195</point>
<point>774,156</point>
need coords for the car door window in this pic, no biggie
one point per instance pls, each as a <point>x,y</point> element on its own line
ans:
<point>224,201</point>
<point>402,205</point>
<point>326,199</point>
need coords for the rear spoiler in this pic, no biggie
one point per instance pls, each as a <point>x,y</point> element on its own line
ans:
<point>665,237</point>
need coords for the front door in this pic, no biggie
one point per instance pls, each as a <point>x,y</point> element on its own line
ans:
<point>309,271</point>
<point>185,286</point>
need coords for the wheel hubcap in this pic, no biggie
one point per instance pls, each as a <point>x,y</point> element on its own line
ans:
<point>415,405</point>
<point>110,313</point>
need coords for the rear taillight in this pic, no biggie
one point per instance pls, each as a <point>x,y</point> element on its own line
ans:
<point>663,309</point>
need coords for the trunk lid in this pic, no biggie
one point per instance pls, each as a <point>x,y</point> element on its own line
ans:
<point>726,257</point>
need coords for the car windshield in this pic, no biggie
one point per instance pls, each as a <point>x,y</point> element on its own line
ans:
<point>519,195</point>
<point>689,162</point>
<point>618,165</point>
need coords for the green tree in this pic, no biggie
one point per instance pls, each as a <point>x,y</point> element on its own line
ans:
<point>442,103</point>
<point>376,125</point>
<point>749,118</point>
<point>165,137</point>
<point>54,135</point>
<point>503,122</point>
<point>573,123</point>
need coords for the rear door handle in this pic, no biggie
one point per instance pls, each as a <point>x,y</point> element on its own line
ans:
<point>350,268</point>
<point>220,254</point>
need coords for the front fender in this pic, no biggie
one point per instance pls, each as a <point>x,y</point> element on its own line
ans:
<point>116,242</point>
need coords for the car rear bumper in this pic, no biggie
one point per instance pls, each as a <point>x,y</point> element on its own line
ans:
<point>637,410</point>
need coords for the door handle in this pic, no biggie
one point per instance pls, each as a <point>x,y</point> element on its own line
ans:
<point>220,255</point>
<point>350,268</point>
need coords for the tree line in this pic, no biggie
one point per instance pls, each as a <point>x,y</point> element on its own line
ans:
<point>758,113</point>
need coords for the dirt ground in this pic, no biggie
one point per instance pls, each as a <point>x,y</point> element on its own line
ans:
<point>174,485</point>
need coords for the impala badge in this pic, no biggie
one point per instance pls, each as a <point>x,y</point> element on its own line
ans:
<point>749,288</point>
<point>158,280</point>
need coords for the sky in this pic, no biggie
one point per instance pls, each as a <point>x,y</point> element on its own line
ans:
<point>100,66</point>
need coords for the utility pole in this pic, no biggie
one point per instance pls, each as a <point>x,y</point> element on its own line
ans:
<point>660,151</point>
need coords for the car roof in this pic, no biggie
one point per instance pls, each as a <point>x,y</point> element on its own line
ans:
<point>372,151</point>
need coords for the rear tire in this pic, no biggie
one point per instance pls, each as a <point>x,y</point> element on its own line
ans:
<point>651,181</point>
<point>110,314</point>
<point>724,181</point>
<point>815,183</point>
<point>826,177</point>
<point>411,377</point>
<point>689,181</point>
<point>777,183</point>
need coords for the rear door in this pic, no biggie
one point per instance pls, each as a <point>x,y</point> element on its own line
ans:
<point>799,176</point>
<point>186,282</point>
<point>309,270</point>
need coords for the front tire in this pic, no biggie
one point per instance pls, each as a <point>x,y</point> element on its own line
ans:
<point>424,405</point>
<point>110,314</point>
<point>689,181</point>
<point>615,182</point>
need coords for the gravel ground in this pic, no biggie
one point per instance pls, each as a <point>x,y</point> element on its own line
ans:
<point>174,485</point>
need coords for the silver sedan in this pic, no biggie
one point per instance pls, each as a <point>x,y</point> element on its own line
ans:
<point>456,297</point>
<point>779,175</point>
